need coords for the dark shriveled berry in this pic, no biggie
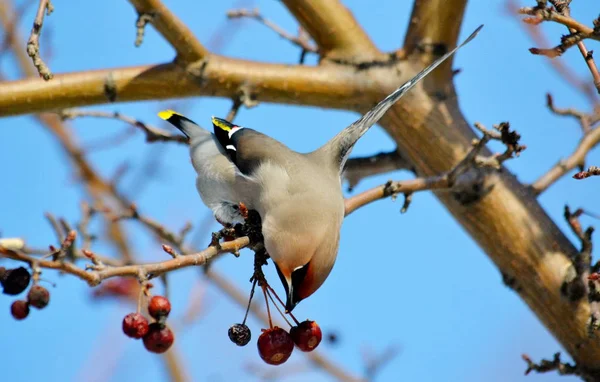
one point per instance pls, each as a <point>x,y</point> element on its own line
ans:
<point>307,335</point>
<point>19,309</point>
<point>15,280</point>
<point>158,339</point>
<point>135,325</point>
<point>275,346</point>
<point>159,307</point>
<point>38,297</point>
<point>239,334</point>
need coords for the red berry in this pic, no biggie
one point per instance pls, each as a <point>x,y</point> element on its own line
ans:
<point>275,346</point>
<point>38,297</point>
<point>159,338</point>
<point>135,325</point>
<point>15,281</point>
<point>307,335</point>
<point>19,309</point>
<point>159,307</point>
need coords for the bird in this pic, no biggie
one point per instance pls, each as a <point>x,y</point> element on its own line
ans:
<point>298,196</point>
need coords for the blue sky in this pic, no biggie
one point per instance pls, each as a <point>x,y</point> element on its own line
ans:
<point>434,293</point>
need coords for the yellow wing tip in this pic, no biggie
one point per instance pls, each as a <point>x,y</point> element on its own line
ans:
<point>166,114</point>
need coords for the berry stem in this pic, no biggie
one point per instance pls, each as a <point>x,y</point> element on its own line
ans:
<point>268,309</point>
<point>277,307</point>
<point>282,304</point>
<point>250,301</point>
<point>140,298</point>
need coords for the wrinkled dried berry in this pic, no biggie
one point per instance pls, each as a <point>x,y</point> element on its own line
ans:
<point>38,297</point>
<point>239,334</point>
<point>15,280</point>
<point>275,346</point>
<point>19,309</point>
<point>158,339</point>
<point>135,325</point>
<point>159,307</point>
<point>307,335</point>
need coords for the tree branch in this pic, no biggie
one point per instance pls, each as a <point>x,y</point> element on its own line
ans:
<point>222,77</point>
<point>590,139</point>
<point>188,48</point>
<point>334,29</point>
<point>357,169</point>
<point>433,30</point>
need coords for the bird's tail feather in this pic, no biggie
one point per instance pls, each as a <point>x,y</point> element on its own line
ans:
<point>341,145</point>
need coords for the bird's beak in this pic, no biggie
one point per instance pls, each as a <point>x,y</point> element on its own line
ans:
<point>222,124</point>
<point>290,301</point>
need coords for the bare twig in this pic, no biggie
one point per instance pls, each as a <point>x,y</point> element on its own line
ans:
<point>374,363</point>
<point>244,97</point>
<point>301,40</point>
<point>561,69</point>
<point>359,168</point>
<point>551,14</point>
<point>33,44</point>
<point>140,24</point>
<point>577,159</point>
<point>153,134</point>
<point>188,48</point>
<point>585,120</point>
<point>591,171</point>
<point>563,368</point>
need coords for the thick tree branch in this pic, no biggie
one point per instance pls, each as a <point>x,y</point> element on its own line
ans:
<point>433,30</point>
<point>222,77</point>
<point>334,29</point>
<point>188,48</point>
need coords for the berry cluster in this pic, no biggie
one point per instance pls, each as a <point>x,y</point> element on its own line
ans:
<point>157,336</point>
<point>14,282</point>
<point>275,345</point>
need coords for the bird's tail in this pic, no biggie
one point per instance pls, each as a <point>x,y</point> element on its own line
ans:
<point>340,146</point>
<point>190,128</point>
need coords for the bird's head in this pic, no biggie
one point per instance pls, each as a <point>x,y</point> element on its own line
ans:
<point>304,263</point>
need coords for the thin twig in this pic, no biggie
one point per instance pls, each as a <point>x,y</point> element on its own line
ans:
<point>140,25</point>
<point>357,169</point>
<point>33,44</point>
<point>301,40</point>
<point>591,171</point>
<point>153,134</point>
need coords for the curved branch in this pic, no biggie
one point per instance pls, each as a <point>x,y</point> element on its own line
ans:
<point>219,76</point>
<point>577,159</point>
<point>188,48</point>
<point>334,29</point>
